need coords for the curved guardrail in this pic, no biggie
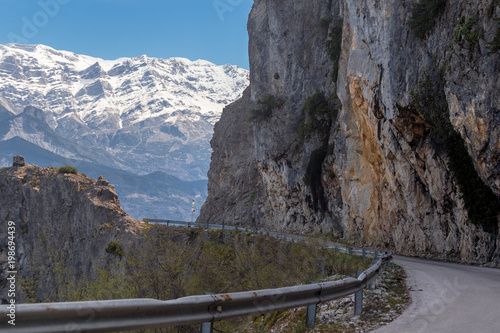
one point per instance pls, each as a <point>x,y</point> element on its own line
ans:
<point>287,237</point>
<point>115,315</point>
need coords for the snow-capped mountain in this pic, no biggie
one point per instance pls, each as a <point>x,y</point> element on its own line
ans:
<point>144,123</point>
<point>136,114</point>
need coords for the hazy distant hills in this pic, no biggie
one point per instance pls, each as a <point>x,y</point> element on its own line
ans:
<point>132,120</point>
<point>154,195</point>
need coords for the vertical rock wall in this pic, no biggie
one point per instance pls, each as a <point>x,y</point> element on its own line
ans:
<point>386,178</point>
<point>397,186</point>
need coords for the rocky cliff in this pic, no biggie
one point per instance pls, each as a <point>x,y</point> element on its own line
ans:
<point>378,121</point>
<point>65,225</point>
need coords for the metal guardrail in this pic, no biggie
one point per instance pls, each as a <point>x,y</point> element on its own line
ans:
<point>338,248</point>
<point>116,315</point>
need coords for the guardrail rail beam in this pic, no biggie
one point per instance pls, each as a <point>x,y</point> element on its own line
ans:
<point>133,314</point>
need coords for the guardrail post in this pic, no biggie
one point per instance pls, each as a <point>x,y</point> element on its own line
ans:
<point>311,313</point>
<point>376,254</point>
<point>364,253</point>
<point>206,327</point>
<point>358,299</point>
<point>350,251</point>
<point>386,264</point>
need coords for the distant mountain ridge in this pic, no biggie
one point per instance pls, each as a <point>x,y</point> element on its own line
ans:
<point>138,114</point>
<point>134,118</point>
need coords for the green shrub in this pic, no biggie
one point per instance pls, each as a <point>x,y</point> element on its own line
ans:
<point>265,110</point>
<point>68,169</point>
<point>276,76</point>
<point>424,15</point>
<point>334,46</point>
<point>193,234</point>
<point>323,23</point>
<point>115,248</point>
<point>466,33</point>
<point>319,115</point>
<point>494,45</point>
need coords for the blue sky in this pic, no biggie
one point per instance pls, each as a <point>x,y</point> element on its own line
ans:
<point>214,30</point>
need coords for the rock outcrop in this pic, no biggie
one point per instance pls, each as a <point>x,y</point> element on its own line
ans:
<point>391,171</point>
<point>64,223</point>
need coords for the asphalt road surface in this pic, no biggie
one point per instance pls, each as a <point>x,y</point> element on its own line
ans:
<point>448,297</point>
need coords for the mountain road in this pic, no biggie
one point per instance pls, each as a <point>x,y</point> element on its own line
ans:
<point>448,297</point>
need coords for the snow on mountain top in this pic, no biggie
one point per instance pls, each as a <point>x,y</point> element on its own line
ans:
<point>138,114</point>
<point>49,56</point>
<point>133,89</point>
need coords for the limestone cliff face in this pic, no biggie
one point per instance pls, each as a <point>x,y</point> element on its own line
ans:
<point>61,220</point>
<point>397,186</point>
<point>266,161</point>
<point>386,177</point>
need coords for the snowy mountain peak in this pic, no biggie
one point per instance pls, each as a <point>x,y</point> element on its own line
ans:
<point>88,85</point>
<point>140,114</point>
